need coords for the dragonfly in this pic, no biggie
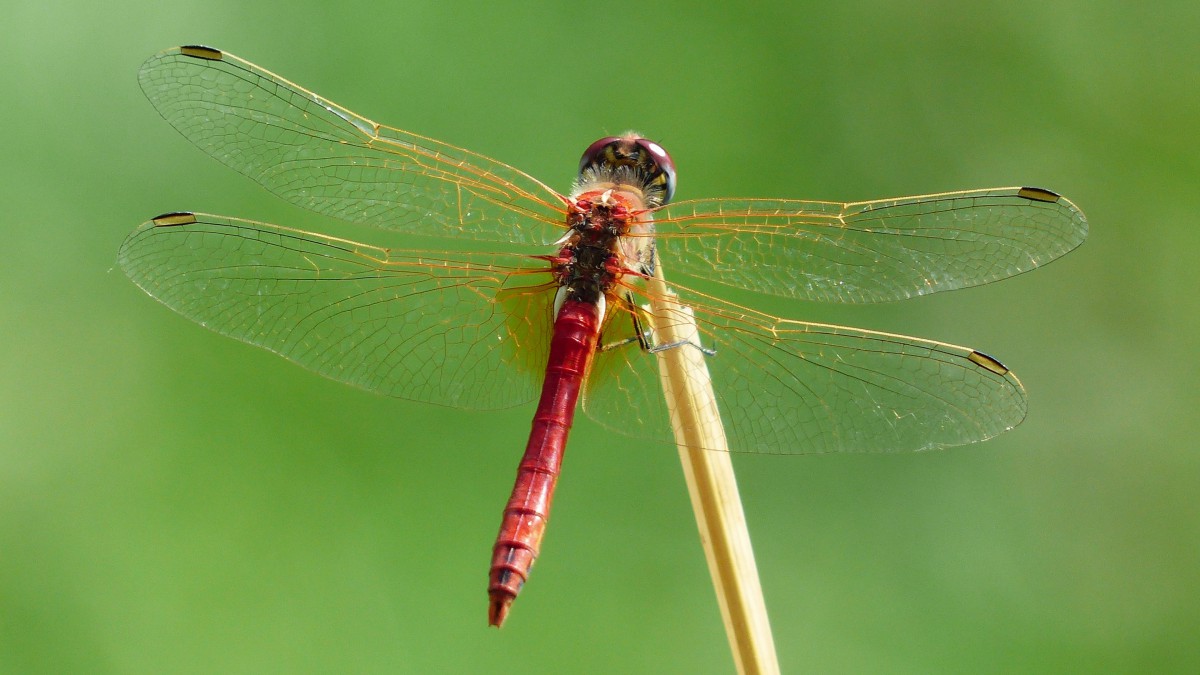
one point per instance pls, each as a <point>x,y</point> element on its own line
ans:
<point>558,305</point>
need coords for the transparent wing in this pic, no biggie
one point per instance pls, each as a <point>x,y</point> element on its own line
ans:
<point>868,251</point>
<point>792,387</point>
<point>316,154</point>
<point>623,391</point>
<point>457,329</point>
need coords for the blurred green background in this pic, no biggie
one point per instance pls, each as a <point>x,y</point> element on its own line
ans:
<point>173,501</point>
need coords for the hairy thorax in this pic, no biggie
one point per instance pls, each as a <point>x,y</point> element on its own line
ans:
<point>611,236</point>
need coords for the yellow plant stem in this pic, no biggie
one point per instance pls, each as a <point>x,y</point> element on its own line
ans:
<point>708,471</point>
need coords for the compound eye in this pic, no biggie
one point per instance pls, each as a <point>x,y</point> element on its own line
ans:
<point>596,151</point>
<point>666,166</point>
<point>645,158</point>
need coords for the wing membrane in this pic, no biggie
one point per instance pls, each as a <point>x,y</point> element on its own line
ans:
<point>793,387</point>
<point>869,251</point>
<point>319,155</point>
<point>457,329</point>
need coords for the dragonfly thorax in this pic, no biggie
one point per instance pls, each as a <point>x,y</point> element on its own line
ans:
<point>609,238</point>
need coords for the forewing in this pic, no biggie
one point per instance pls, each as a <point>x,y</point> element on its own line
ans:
<point>319,155</point>
<point>456,329</point>
<point>869,251</point>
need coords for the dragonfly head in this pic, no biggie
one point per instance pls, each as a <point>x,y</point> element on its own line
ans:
<point>629,160</point>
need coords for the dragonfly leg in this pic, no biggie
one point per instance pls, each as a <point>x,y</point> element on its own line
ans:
<point>619,343</point>
<point>640,334</point>
<point>662,348</point>
<point>646,338</point>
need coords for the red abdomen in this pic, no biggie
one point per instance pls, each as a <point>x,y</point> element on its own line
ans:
<point>576,330</point>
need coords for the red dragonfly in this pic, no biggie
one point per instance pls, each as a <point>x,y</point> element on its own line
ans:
<point>480,330</point>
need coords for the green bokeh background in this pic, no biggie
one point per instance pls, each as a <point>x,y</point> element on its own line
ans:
<point>173,501</point>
